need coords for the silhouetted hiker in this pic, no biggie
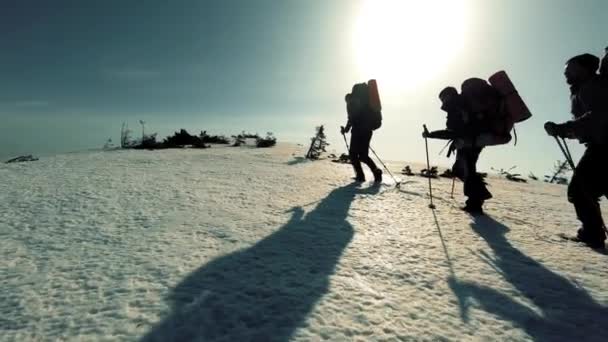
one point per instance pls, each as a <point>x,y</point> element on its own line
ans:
<point>484,114</point>
<point>363,120</point>
<point>589,98</point>
<point>463,128</point>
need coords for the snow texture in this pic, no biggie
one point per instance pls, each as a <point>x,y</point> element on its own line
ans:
<point>241,244</point>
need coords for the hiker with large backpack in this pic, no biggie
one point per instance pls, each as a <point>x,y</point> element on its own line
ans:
<point>462,128</point>
<point>364,116</point>
<point>483,114</point>
<point>589,107</point>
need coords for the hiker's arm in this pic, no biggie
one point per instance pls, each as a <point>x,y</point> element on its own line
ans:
<point>593,124</point>
<point>444,134</point>
<point>346,128</point>
<point>589,124</point>
<point>350,111</point>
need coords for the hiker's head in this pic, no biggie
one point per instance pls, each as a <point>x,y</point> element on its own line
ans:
<point>581,68</point>
<point>448,98</point>
<point>447,94</point>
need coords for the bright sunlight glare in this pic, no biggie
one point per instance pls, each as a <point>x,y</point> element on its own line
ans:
<point>403,43</point>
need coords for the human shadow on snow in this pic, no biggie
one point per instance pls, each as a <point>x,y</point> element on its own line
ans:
<point>264,292</point>
<point>564,311</point>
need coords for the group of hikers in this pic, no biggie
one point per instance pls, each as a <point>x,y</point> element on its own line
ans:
<point>484,114</point>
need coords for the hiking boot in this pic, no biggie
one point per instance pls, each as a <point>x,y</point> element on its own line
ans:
<point>593,240</point>
<point>359,178</point>
<point>474,210</point>
<point>595,244</point>
<point>378,176</point>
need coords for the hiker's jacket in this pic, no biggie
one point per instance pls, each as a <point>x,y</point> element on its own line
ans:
<point>590,111</point>
<point>358,116</point>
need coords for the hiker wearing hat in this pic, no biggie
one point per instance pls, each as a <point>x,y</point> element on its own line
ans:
<point>589,99</point>
<point>463,128</point>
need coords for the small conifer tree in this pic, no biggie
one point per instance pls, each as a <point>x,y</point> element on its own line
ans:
<point>318,144</point>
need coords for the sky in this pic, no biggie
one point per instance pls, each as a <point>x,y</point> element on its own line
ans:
<point>72,71</point>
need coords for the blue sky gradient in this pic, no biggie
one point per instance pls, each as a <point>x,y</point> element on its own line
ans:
<point>72,71</point>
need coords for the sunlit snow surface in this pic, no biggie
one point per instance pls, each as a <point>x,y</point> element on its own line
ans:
<point>243,244</point>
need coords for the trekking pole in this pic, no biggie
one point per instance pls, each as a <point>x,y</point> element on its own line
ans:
<point>398,184</point>
<point>428,166</point>
<point>453,183</point>
<point>568,151</point>
<point>346,142</point>
<point>565,152</point>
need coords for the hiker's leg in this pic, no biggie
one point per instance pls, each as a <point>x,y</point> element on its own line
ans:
<point>584,191</point>
<point>475,187</point>
<point>366,138</point>
<point>459,169</point>
<point>468,172</point>
<point>482,189</point>
<point>355,147</point>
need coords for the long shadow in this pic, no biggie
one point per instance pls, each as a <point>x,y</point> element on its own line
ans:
<point>567,311</point>
<point>463,303</point>
<point>265,292</point>
<point>297,160</point>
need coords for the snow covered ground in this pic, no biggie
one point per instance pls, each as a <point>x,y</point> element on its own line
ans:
<point>240,244</point>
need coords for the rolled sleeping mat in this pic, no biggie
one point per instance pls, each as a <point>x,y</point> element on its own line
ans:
<point>515,105</point>
<point>374,95</point>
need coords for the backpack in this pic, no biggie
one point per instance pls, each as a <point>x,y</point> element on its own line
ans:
<point>500,103</point>
<point>484,103</point>
<point>367,103</point>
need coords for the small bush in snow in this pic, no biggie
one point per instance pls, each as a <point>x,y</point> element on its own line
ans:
<point>183,139</point>
<point>149,143</point>
<point>213,139</point>
<point>238,140</point>
<point>268,141</point>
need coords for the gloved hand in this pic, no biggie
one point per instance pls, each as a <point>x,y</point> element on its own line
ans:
<point>554,129</point>
<point>344,130</point>
<point>425,132</point>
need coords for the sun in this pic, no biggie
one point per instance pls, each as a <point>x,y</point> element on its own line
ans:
<point>403,43</point>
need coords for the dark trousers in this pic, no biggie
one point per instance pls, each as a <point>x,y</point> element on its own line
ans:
<point>465,169</point>
<point>359,151</point>
<point>588,184</point>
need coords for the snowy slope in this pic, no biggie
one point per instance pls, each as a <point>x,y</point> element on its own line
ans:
<point>239,244</point>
